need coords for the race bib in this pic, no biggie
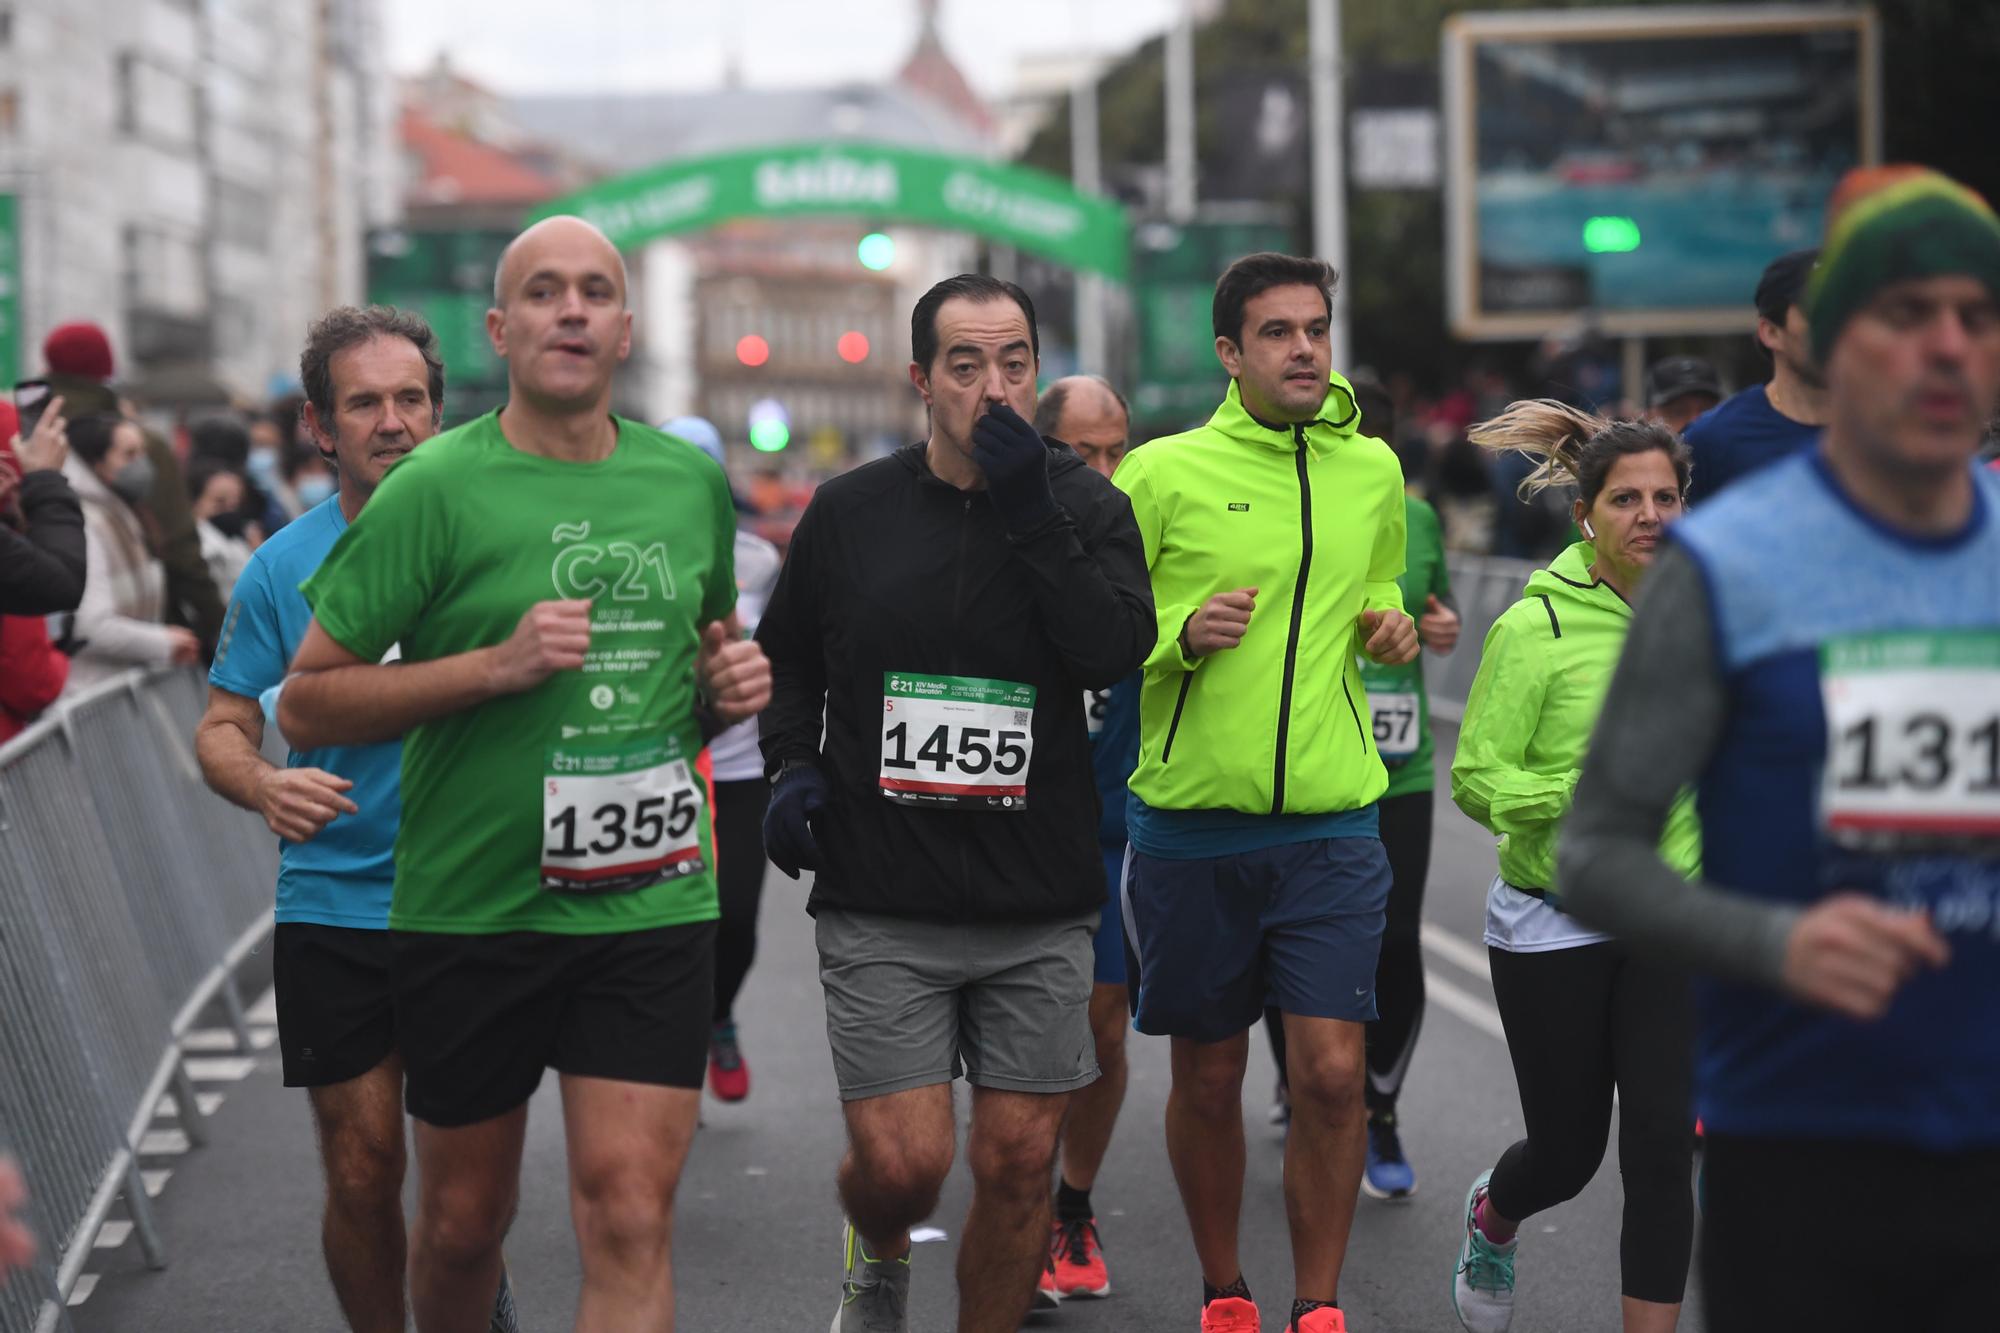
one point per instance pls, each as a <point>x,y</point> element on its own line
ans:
<point>957,741</point>
<point>1913,737</point>
<point>1398,722</point>
<point>616,819</point>
<point>1096,703</point>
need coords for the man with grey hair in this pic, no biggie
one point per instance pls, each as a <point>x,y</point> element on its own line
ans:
<point>1090,416</point>
<point>374,391</point>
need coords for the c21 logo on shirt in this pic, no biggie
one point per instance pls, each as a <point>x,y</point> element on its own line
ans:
<point>584,571</point>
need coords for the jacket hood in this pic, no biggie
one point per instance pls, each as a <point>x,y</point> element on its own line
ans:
<point>1338,421</point>
<point>1567,579</point>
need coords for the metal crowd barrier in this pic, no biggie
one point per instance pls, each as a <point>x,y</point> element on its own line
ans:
<point>128,894</point>
<point>1483,586</point>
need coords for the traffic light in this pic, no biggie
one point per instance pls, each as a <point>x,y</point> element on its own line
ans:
<point>752,350</point>
<point>1610,235</point>
<point>853,347</point>
<point>877,251</point>
<point>770,426</point>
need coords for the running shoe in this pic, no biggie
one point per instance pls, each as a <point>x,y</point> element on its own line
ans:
<point>728,1075</point>
<point>506,1319</point>
<point>875,1296</point>
<point>1230,1314</point>
<point>1076,1257</point>
<point>1326,1319</point>
<point>1388,1174</point>
<point>1482,1286</point>
<point>1046,1295</point>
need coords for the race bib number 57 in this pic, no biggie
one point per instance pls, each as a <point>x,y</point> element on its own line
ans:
<point>1913,736</point>
<point>956,741</point>
<point>619,819</point>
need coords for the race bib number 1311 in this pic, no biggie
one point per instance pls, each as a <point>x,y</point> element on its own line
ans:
<point>1912,735</point>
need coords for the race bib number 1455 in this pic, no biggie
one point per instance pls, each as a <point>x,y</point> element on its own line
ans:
<point>956,741</point>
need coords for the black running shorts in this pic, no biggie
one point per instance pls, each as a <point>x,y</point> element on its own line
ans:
<point>480,1017</point>
<point>336,1014</point>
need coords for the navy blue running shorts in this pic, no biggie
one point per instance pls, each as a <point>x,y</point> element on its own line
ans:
<point>1298,926</point>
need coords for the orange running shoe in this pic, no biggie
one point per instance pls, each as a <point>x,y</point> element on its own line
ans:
<point>1078,1258</point>
<point>1323,1320</point>
<point>1230,1314</point>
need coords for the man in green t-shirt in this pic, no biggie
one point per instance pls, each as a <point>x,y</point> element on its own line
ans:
<point>558,585</point>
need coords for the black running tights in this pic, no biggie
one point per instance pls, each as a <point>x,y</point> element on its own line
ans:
<point>1581,1022</point>
<point>739,883</point>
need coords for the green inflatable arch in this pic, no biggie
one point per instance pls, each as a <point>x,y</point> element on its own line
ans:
<point>1017,206</point>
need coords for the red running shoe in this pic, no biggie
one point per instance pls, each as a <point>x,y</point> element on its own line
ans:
<point>1078,1257</point>
<point>728,1075</point>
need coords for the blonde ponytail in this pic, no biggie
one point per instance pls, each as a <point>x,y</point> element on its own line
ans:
<point>1552,433</point>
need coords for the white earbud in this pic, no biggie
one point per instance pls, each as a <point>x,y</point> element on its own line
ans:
<point>1589,533</point>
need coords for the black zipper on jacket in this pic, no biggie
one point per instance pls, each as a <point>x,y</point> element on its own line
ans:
<point>1167,750</point>
<point>1298,620</point>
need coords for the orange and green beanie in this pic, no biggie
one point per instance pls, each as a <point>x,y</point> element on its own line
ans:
<point>1889,224</point>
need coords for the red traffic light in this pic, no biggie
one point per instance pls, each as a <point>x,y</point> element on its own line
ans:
<point>853,347</point>
<point>752,350</point>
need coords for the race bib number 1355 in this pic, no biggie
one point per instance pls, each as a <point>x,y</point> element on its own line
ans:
<point>956,741</point>
<point>619,819</point>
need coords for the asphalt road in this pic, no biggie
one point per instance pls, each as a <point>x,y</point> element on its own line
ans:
<point>758,1223</point>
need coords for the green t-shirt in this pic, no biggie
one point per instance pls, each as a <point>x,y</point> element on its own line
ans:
<point>569,808</point>
<point>1400,706</point>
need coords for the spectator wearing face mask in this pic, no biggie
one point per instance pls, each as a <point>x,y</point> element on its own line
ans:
<point>32,672</point>
<point>309,476</point>
<point>80,369</point>
<point>215,494</point>
<point>227,440</point>
<point>120,623</point>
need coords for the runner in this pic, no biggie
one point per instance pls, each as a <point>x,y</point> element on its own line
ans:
<point>1093,419</point>
<point>944,610</point>
<point>1256,874</point>
<point>553,905</point>
<point>741,798</point>
<point>1819,652</point>
<point>1584,1018</point>
<point>374,391</point>
<point>1766,422</point>
<point>1399,707</point>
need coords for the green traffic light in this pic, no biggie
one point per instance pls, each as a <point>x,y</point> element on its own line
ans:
<point>1610,236</point>
<point>769,436</point>
<point>876,251</point>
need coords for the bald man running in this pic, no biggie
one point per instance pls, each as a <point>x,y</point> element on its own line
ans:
<point>554,903</point>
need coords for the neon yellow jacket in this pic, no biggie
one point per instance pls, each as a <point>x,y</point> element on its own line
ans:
<point>1312,517</point>
<point>1543,671</point>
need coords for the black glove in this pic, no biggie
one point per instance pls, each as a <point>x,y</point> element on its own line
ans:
<point>1016,464</point>
<point>798,795</point>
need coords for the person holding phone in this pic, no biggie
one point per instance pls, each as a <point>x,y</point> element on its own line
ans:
<point>43,556</point>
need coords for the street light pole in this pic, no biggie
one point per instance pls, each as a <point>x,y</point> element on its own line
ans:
<point>1180,115</point>
<point>1087,171</point>
<point>1329,171</point>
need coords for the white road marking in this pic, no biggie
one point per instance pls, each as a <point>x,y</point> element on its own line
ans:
<point>163,1143</point>
<point>155,1181</point>
<point>111,1235</point>
<point>209,1039</point>
<point>923,1234</point>
<point>1457,952</point>
<point>1466,1005</point>
<point>81,1292</point>
<point>220,1068</point>
<point>205,1102</point>
<point>264,1010</point>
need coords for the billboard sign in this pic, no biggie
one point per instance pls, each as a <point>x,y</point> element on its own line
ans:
<point>10,288</point>
<point>1642,166</point>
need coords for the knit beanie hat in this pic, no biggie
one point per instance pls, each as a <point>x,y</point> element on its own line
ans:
<point>1889,224</point>
<point>78,349</point>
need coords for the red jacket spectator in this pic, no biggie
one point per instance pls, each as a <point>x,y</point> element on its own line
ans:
<point>32,672</point>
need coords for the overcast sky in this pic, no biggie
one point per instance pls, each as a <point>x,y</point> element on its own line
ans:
<point>664,45</point>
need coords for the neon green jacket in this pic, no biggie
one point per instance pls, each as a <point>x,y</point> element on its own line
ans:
<point>1542,675</point>
<point>1310,516</point>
